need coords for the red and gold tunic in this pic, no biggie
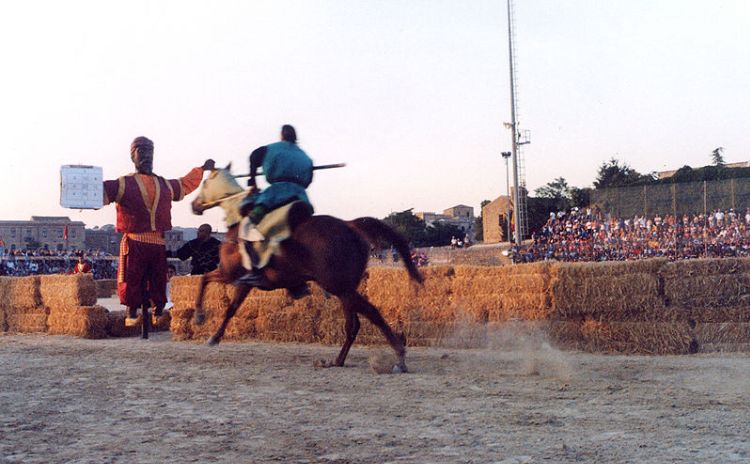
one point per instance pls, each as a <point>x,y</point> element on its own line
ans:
<point>144,213</point>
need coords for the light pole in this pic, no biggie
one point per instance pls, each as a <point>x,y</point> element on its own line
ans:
<point>506,155</point>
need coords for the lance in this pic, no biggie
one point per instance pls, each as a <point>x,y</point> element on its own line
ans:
<point>315,168</point>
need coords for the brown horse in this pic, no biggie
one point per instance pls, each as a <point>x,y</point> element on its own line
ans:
<point>331,252</point>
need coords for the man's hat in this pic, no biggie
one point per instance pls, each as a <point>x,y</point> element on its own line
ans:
<point>140,142</point>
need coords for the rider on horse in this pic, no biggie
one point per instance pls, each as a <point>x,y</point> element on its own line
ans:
<point>289,171</point>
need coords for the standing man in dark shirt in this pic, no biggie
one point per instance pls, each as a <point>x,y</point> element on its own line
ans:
<point>203,251</point>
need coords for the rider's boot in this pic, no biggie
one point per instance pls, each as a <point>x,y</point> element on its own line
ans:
<point>254,278</point>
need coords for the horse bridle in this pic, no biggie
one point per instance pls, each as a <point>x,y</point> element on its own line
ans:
<point>211,204</point>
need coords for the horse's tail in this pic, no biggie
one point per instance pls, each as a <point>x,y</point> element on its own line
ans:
<point>375,230</point>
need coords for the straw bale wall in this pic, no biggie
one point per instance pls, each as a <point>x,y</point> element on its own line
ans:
<point>650,306</point>
<point>618,307</point>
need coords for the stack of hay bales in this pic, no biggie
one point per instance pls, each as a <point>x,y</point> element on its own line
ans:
<point>21,305</point>
<point>71,303</point>
<point>617,307</point>
<point>715,296</point>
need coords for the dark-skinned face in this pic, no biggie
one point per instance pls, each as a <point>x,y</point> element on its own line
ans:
<point>143,159</point>
<point>204,233</point>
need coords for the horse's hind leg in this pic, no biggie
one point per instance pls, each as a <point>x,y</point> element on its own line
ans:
<point>356,303</point>
<point>352,329</point>
<point>239,297</point>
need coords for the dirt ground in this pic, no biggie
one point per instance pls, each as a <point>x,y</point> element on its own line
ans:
<point>68,400</point>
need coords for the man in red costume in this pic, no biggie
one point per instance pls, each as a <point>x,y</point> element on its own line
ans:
<point>144,204</point>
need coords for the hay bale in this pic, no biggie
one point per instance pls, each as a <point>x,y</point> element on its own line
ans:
<point>637,337</point>
<point>106,288</point>
<point>4,300</point>
<point>724,348</point>
<point>181,324</point>
<point>624,291</point>
<point>250,319</point>
<point>503,293</point>
<point>728,336</point>
<point>566,335</point>
<point>20,306</point>
<point>703,266</point>
<point>26,320</point>
<point>585,270</point>
<point>398,298</point>
<point>184,293</point>
<point>66,291</point>
<point>22,293</point>
<point>79,321</point>
<point>708,290</point>
<point>718,314</point>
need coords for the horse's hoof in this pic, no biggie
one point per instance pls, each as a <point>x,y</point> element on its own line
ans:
<point>200,318</point>
<point>400,369</point>
<point>213,341</point>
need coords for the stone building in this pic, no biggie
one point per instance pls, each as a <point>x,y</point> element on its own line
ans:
<point>104,238</point>
<point>495,220</point>
<point>461,216</point>
<point>52,232</point>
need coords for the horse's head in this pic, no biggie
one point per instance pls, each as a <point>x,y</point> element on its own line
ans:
<point>219,185</point>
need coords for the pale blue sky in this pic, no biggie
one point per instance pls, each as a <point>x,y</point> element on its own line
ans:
<point>410,94</point>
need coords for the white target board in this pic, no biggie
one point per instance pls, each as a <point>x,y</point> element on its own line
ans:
<point>81,187</point>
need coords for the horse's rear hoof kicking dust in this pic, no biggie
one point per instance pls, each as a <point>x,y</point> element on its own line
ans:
<point>331,252</point>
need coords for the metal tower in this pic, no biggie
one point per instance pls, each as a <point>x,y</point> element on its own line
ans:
<point>520,138</point>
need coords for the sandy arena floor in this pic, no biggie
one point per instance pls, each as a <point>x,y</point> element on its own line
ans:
<point>67,400</point>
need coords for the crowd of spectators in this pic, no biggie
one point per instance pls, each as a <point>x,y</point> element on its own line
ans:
<point>32,262</point>
<point>590,235</point>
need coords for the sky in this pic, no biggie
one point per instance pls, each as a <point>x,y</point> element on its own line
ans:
<point>412,95</point>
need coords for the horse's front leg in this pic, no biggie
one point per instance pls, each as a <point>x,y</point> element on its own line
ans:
<point>200,314</point>
<point>239,297</point>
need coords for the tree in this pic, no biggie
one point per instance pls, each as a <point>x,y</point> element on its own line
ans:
<point>558,191</point>
<point>408,225</point>
<point>440,234</point>
<point>479,222</point>
<point>717,156</point>
<point>580,197</point>
<point>613,174</point>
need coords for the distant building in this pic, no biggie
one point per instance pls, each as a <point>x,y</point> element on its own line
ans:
<point>104,238</point>
<point>495,216</point>
<point>460,216</point>
<point>52,232</point>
